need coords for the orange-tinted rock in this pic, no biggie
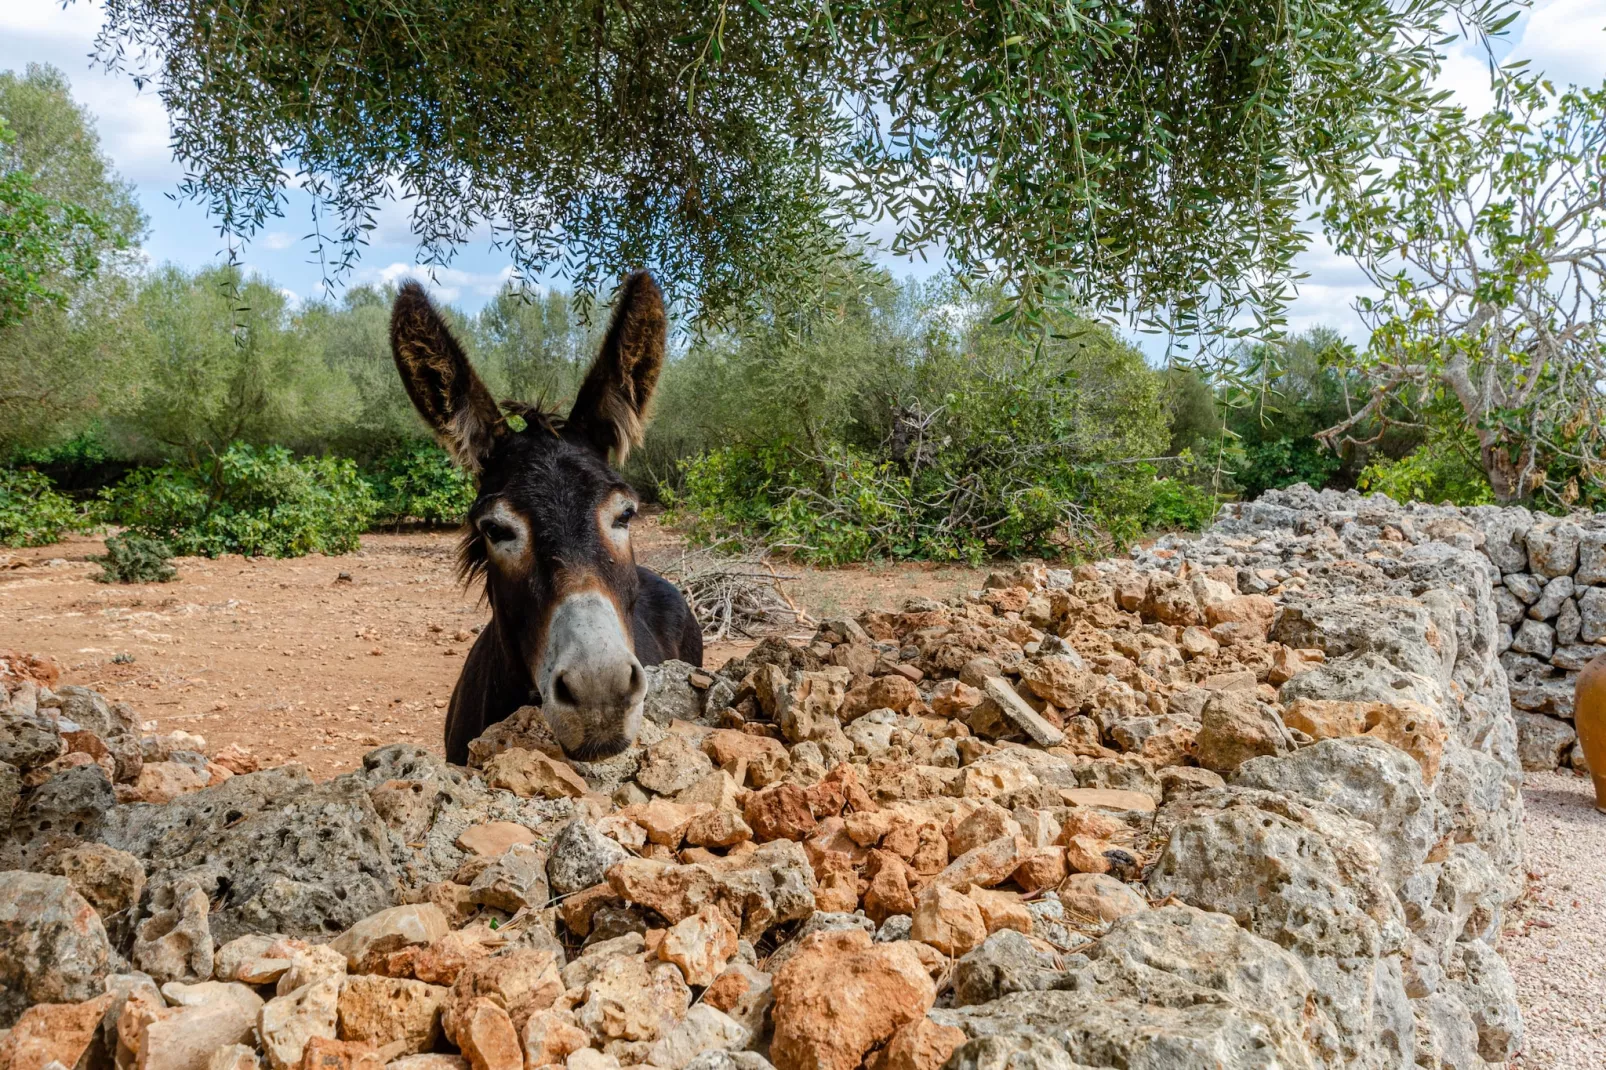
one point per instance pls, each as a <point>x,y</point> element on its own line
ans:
<point>1084,854</point>
<point>840,995</point>
<point>1410,726</point>
<point>321,1053</point>
<point>550,1037</point>
<point>520,982</point>
<point>948,921</point>
<point>1100,897</point>
<point>52,1032</point>
<point>485,1035</point>
<point>530,774</point>
<point>492,838</point>
<point>700,945</point>
<point>920,1045</point>
<point>781,812</point>
<point>1042,868</point>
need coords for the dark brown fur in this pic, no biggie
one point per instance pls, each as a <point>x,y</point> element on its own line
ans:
<point>554,474</point>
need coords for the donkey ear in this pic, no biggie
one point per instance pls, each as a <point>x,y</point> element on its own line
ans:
<point>441,382</point>
<point>611,408</point>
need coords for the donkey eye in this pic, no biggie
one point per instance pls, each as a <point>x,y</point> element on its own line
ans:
<point>626,515</point>
<point>497,531</point>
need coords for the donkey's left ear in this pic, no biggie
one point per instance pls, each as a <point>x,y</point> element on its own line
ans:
<point>610,410</point>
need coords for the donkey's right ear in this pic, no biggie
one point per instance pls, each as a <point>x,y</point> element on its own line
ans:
<point>438,377</point>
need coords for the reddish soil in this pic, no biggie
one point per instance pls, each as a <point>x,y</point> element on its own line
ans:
<point>289,660</point>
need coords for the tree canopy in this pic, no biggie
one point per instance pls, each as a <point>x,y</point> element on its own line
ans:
<point>1119,154</point>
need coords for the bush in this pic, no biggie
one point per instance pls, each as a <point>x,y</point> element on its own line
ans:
<point>132,558</point>
<point>248,501</point>
<point>33,513</point>
<point>1443,469</point>
<point>420,483</point>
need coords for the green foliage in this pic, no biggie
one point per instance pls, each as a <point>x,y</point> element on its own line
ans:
<point>41,239</point>
<point>1443,469</point>
<point>1487,239</point>
<point>1110,154</point>
<point>33,513</point>
<point>219,361</point>
<point>248,501</point>
<point>914,426</point>
<point>132,558</point>
<point>420,483</point>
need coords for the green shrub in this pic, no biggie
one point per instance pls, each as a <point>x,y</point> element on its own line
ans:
<point>1177,505</point>
<point>132,558</point>
<point>33,513</point>
<point>248,501</point>
<point>1443,469</point>
<point>420,483</point>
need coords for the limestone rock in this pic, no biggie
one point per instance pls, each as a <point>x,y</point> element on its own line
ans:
<point>515,881</point>
<point>1100,896</point>
<point>704,1029</point>
<point>276,851</point>
<point>176,944</point>
<point>1543,743</point>
<point>627,1000</point>
<point>397,1015</point>
<point>287,1022</point>
<point>1236,727</point>
<point>531,774</point>
<point>390,930</point>
<point>48,1033</point>
<point>840,995</point>
<point>1005,962</point>
<point>53,947</point>
<point>1370,780</point>
<point>765,887</point>
<point>700,945</point>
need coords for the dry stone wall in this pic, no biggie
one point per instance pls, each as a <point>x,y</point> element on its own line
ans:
<point>1549,593</point>
<point>1249,801</point>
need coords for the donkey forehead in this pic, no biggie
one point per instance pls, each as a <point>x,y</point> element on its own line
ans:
<point>555,484</point>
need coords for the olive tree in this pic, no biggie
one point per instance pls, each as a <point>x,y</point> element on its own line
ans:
<point>1486,239</point>
<point>1111,154</point>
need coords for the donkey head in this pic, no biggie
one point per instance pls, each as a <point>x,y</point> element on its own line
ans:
<point>549,530</point>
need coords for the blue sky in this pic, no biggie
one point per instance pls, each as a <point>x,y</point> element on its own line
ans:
<point>1565,38</point>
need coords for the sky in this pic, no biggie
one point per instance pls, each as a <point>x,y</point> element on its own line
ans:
<point>1564,38</point>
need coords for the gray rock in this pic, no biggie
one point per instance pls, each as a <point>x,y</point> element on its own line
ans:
<point>28,742</point>
<point>1543,743</point>
<point>1005,962</point>
<point>1371,781</point>
<point>896,927</point>
<point>730,1060</point>
<point>670,696</point>
<point>1014,710</point>
<point>1591,557</point>
<point>1557,592</point>
<point>1527,588</point>
<point>1399,629</point>
<point>1505,535</point>
<point>175,944</point>
<point>1446,1039</point>
<point>1483,804</point>
<point>1304,876</point>
<point>1472,893</point>
<point>1363,678</point>
<point>273,851</point>
<point>580,857</point>
<point>1236,727</point>
<point>10,792</point>
<point>1508,607</point>
<point>671,765</point>
<point>1575,657</point>
<point>1553,547</point>
<point>1592,615</point>
<point>1536,638</point>
<point>1190,1030</point>
<point>53,948</point>
<point>65,810</point>
<point>1478,976</point>
<point>515,881</point>
<point>1569,622</point>
<point>1021,1051</point>
<point>821,921</point>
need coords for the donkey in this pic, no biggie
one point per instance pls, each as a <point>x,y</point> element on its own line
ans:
<point>573,617</point>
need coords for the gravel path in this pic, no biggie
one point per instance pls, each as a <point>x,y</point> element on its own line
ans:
<point>1555,938</point>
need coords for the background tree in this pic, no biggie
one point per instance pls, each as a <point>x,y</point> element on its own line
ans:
<point>69,229</point>
<point>1118,155</point>
<point>1487,238</point>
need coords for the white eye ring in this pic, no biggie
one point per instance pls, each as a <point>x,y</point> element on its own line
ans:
<point>506,533</point>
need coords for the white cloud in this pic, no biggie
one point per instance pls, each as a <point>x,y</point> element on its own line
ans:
<point>132,123</point>
<point>446,283</point>
<point>278,239</point>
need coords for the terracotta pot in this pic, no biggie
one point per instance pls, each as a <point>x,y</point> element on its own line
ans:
<point>1589,716</point>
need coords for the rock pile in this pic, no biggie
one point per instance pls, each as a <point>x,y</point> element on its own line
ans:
<point>1117,816</point>
<point>1549,594</point>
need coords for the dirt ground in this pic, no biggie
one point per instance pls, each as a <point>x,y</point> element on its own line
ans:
<point>319,659</point>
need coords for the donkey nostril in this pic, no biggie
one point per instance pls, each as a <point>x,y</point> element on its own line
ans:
<point>561,691</point>
<point>638,679</point>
